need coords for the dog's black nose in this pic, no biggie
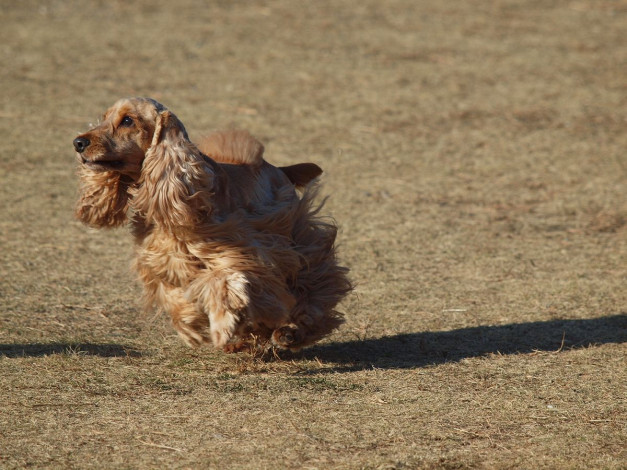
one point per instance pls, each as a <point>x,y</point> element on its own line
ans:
<point>80,144</point>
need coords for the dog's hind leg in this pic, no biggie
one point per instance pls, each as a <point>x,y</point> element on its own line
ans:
<point>308,325</point>
<point>314,316</point>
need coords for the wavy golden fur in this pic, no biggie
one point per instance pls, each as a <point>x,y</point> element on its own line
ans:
<point>224,243</point>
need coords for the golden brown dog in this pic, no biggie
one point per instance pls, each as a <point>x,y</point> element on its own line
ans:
<point>224,243</point>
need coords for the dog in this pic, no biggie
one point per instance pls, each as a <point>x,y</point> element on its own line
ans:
<point>230,246</point>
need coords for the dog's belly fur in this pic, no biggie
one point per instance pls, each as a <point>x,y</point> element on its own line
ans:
<point>229,298</point>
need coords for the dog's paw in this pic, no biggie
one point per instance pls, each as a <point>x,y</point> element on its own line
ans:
<point>238,346</point>
<point>220,338</point>
<point>287,336</point>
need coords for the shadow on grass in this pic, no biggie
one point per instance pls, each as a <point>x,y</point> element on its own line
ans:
<point>412,350</point>
<point>46,349</point>
<point>405,351</point>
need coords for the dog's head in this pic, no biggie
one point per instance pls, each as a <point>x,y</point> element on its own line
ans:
<point>112,155</point>
<point>120,142</point>
<point>140,157</point>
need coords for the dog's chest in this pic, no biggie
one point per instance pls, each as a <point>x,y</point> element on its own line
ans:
<point>163,257</point>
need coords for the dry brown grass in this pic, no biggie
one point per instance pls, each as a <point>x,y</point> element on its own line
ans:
<point>475,158</point>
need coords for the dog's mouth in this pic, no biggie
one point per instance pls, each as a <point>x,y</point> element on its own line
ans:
<point>102,164</point>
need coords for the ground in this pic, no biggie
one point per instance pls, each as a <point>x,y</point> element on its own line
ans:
<point>475,159</point>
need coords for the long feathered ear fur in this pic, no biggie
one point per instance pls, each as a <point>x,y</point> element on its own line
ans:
<point>103,198</point>
<point>177,182</point>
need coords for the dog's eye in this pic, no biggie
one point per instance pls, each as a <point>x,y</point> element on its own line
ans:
<point>126,121</point>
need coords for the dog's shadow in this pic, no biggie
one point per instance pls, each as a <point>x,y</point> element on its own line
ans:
<point>413,350</point>
<point>404,351</point>
<point>46,349</point>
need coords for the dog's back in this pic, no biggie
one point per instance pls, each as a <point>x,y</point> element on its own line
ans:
<point>253,183</point>
<point>241,156</point>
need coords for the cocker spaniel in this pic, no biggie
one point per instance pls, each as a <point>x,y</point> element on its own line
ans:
<point>224,242</point>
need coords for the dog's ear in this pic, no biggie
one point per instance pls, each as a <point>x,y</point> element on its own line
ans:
<point>301,174</point>
<point>176,185</point>
<point>103,198</point>
<point>168,127</point>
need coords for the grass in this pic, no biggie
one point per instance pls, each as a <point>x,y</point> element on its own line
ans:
<point>474,155</point>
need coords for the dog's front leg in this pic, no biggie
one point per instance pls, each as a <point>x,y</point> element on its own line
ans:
<point>190,323</point>
<point>224,297</point>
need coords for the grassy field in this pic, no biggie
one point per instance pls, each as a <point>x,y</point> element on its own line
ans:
<point>475,156</point>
